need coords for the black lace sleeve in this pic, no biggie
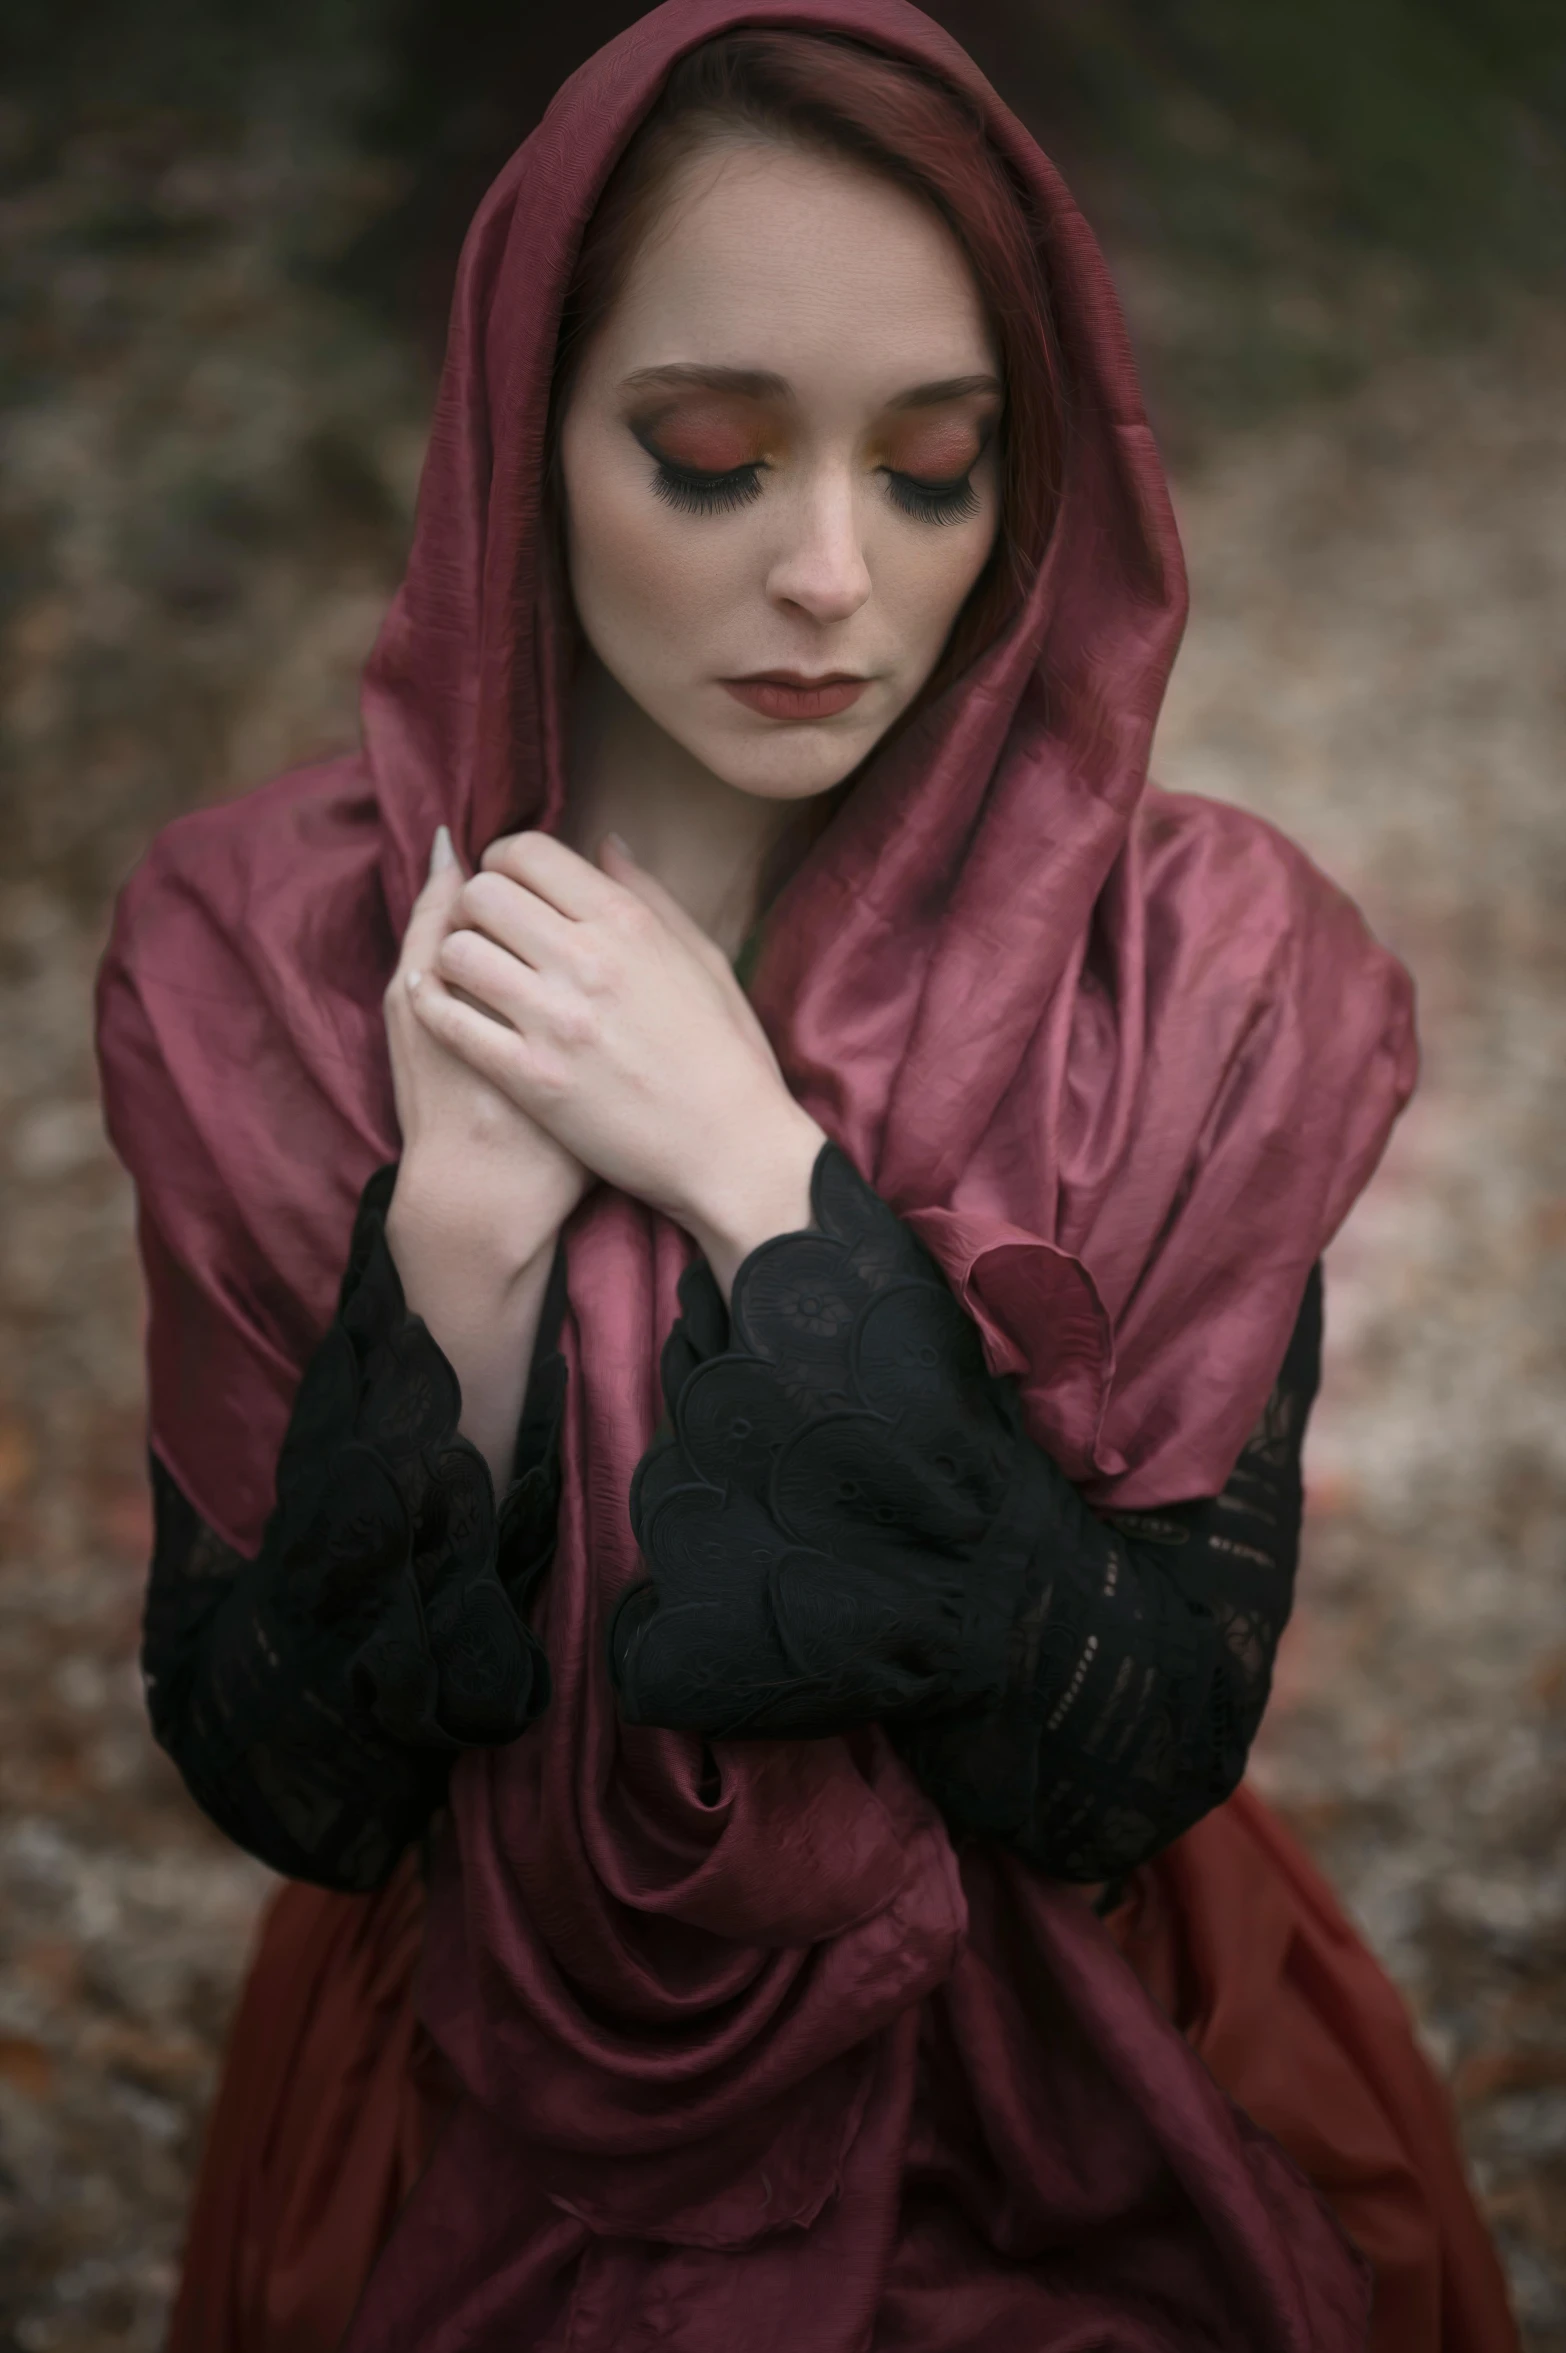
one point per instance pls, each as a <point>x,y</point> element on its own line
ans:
<point>845,1521</point>
<point>313,1696</point>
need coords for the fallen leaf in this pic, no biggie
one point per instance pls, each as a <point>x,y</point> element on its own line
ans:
<point>159,2063</point>
<point>18,1460</point>
<point>26,2066</point>
<point>1485,2074</point>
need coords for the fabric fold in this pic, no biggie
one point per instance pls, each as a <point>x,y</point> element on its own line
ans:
<point>1041,1320</point>
<point>1129,1058</point>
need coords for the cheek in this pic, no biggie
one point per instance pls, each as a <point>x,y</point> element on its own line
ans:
<point>929,583</point>
<point>644,588</point>
<point>613,549</point>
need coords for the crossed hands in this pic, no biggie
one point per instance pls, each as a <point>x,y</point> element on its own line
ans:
<point>551,1022</point>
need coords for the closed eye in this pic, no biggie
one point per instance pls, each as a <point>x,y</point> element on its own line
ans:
<point>694,493</point>
<point>932,502</point>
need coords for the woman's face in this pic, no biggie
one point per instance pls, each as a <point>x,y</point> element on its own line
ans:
<point>779,464</point>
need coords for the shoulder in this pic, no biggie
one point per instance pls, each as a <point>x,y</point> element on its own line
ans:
<point>300,829</point>
<point>1183,840</point>
<point>289,869</point>
<point>240,986</point>
<point>1250,916</point>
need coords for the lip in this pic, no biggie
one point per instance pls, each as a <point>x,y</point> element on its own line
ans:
<point>790,694</point>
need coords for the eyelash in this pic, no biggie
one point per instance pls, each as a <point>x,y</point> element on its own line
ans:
<point>712,494</point>
<point>933,502</point>
<point>705,494</point>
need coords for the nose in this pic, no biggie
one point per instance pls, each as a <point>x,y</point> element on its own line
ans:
<point>821,570</point>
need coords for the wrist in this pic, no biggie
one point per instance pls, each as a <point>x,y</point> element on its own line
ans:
<point>748,1198</point>
<point>436,1225</point>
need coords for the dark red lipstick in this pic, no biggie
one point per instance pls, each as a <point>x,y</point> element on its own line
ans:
<point>791,694</point>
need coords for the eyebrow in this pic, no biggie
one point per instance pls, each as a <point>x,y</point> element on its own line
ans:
<point>761,384</point>
<point>929,396</point>
<point>748,383</point>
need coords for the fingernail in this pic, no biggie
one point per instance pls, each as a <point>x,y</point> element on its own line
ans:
<point>442,854</point>
<point>414,979</point>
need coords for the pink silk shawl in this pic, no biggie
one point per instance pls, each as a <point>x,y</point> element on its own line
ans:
<point>779,2070</point>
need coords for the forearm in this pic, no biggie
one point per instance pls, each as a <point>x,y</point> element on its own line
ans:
<point>365,1799</point>
<point>258,1715</point>
<point>1136,1678</point>
<point>313,1696</point>
<point>845,1521</point>
<point>480,1292</point>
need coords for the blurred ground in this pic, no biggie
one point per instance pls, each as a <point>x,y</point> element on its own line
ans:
<point>1377,665</point>
<point>209,460</point>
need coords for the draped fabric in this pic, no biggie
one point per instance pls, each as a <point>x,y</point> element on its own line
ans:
<point>747,2052</point>
<point>1125,1058</point>
<point>1242,1943</point>
<point>1233,1931</point>
<point>330,2101</point>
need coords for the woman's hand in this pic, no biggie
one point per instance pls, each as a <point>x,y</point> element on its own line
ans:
<point>472,1157</point>
<point>622,1031</point>
<point>482,1191</point>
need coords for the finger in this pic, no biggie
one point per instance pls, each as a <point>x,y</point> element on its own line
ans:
<point>489,1048</point>
<point>462,996</point>
<point>517,919</point>
<point>556,873</point>
<point>498,981</point>
<point>621,867</point>
<point>430,916</point>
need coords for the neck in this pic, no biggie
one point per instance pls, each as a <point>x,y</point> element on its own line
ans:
<point>707,843</point>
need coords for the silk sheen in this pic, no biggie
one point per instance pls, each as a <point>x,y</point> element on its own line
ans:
<point>777,2069</point>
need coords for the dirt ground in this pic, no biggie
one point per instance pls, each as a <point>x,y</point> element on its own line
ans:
<point>208,471</point>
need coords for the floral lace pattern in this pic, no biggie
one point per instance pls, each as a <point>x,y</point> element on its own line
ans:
<point>313,1697</point>
<point>845,1521</point>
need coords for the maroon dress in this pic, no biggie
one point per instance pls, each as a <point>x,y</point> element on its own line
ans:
<point>735,2046</point>
<point>332,2095</point>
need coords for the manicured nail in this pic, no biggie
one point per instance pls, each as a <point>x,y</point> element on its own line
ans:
<point>442,854</point>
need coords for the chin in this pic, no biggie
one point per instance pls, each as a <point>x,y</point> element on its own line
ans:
<point>787,768</point>
<point>783,763</point>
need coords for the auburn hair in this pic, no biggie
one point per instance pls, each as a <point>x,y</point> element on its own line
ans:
<point>825,92</point>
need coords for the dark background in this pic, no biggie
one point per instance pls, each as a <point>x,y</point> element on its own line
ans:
<point>226,240</point>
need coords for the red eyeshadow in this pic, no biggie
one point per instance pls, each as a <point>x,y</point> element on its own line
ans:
<point>708,439</point>
<point>936,451</point>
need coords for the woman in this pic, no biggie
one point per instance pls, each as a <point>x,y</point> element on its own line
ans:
<point>809,1951</point>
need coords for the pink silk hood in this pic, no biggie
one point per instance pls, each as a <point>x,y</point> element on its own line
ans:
<point>1124,1059</point>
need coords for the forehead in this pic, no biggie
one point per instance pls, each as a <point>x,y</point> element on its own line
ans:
<point>767,256</point>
